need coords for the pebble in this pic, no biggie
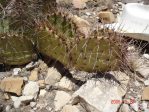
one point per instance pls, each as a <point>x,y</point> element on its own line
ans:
<point>16,71</point>
<point>146,82</point>
<point>33,104</point>
<point>135,106</point>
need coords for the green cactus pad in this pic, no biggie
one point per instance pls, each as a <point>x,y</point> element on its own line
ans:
<point>95,55</point>
<point>15,50</point>
<point>51,46</point>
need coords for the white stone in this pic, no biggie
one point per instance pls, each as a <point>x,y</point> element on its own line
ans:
<point>146,56</point>
<point>123,78</point>
<point>17,104</point>
<point>61,99</point>
<point>124,108</point>
<point>8,107</point>
<point>135,106</point>
<point>72,108</point>
<point>33,104</point>
<point>146,82</point>
<point>98,96</point>
<point>42,92</point>
<point>65,83</point>
<point>53,76</point>
<point>144,105</point>
<point>16,71</point>
<point>31,89</point>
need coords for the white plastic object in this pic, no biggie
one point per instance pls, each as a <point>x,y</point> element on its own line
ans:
<point>134,21</point>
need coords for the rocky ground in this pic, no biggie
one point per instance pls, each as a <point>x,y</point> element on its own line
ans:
<point>38,87</point>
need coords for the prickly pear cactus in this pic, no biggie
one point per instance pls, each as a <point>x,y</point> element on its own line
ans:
<point>15,49</point>
<point>59,40</point>
<point>56,36</point>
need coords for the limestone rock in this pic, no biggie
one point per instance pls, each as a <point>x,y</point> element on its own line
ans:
<point>52,77</point>
<point>123,78</point>
<point>124,108</point>
<point>83,26</point>
<point>145,94</point>
<point>73,108</point>
<point>13,85</point>
<point>34,75</point>
<point>19,100</point>
<point>79,4</point>
<point>65,83</point>
<point>42,92</point>
<point>98,96</point>
<point>31,89</point>
<point>41,83</point>
<point>61,99</point>
<point>16,71</point>
<point>106,17</point>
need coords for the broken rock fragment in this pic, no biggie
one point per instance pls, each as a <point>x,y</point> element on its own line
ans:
<point>12,84</point>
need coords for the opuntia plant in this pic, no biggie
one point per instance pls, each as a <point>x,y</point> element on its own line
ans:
<point>56,36</point>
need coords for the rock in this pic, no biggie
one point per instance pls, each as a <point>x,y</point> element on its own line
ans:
<point>33,104</point>
<point>146,82</point>
<point>52,77</point>
<point>17,104</point>
<point>99,96</point>
<point>79,4</point>
<point>34,75</point>
<point>65,83</point>
<point>106,17</point>
<point>42,92</point>
<point>16,71</point>
<point>83,26</point>
<point>144,105</point>
<point>145,94</point>
<point>123,79</point>
<point>124,108</point>
<point>41,83</point>
<point>73,108</point>
<point>61,99</point>
<point>146,56</point>
<point>7,97</point>
<point>138,63</point>
<point>143,70</point>
<point>135,106</point>
<point>13,85</point>
<point>8,107</point>
<point>64,2</point>
<point>31,89</point>
<point>42,66</point>
<point>22,99</point>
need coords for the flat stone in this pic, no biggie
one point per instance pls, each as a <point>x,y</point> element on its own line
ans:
<point>34,75</point>
<point>99,96</point>
<point>66,84</point>
<point>124,108</point>
<point>73,108</point>
<point>11,84</point>
<point>31,89</point>
<point>145,94</point>
<point>53,76</point>
<point>22,99</point>
<point>61,99</point>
